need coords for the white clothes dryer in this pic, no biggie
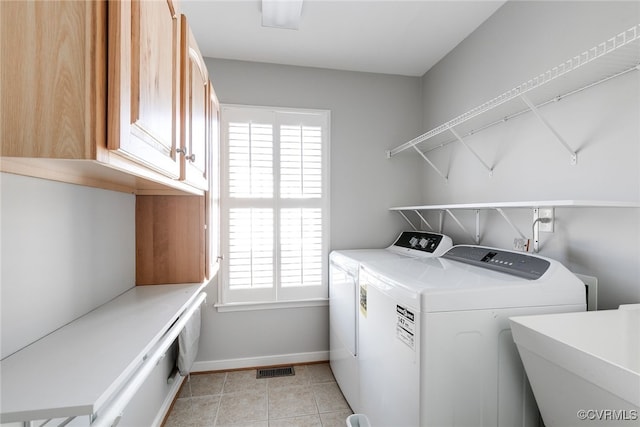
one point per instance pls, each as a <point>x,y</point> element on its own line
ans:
<point>435,342</point>
<point>343,299</point>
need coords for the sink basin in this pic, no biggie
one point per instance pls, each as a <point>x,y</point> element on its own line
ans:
<point>583,366</point>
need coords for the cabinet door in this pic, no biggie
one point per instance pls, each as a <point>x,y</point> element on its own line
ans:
<point>213,195</point>
<point>144,83</point>
<point>195,81</point>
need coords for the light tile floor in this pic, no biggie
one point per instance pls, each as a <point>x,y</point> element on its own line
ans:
<point>309,398</point>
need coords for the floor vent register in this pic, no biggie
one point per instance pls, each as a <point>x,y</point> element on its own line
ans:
<point>275,372</point>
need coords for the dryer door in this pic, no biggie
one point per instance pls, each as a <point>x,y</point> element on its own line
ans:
<point>342,306</point>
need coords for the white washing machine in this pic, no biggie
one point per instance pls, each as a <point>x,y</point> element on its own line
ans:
<point>343,300</point>
<point>435,343</point>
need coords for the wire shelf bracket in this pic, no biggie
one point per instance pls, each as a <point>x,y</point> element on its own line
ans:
<point>426,159</point>
<point>408,220</point>
<point>472,151</point>
<point>423,219</point>
<point>513,226</point>
<point>534,110</point>
<point>476,236</point>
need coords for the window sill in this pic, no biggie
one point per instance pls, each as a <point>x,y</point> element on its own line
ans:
<point>253,306</point>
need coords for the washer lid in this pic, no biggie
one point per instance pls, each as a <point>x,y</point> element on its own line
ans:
<point>450,285</point>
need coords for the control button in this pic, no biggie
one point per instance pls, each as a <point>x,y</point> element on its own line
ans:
<point>413,241</point>
<point>423,243</point>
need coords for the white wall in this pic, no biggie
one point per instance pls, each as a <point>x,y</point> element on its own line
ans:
<point>66,249</point>
<point>523,39</point>
<point>369,114</point>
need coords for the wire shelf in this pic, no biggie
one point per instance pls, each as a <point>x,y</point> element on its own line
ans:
<point>609,59</point>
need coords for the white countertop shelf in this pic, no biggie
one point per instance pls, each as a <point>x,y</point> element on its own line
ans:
<point>535,206</point>
<point>609,59</point>
<point>532,205</point>
<point>76,369</point>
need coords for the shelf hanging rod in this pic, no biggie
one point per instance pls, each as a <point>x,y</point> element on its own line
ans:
<point>459,138</point>
<point>540,105</point>
<point>431,164</point>
<point>534,110</point>
<point>407,219</point>
<point>423,220</point>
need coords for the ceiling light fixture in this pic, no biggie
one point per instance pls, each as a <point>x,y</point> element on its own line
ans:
<point>281,13</point>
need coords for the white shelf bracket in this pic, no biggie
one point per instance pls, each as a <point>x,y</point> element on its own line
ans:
<point>513,226</point>
<point>534,110</point>
<point>477,226</point>
<point>426,159</point>
<point>475,238</point>
<point>423,220</point>
<point>407,219</point>
<point>459,138</point>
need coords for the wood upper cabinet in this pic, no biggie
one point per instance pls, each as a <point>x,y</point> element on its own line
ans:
<point>104,94</point>
<point>144,83</point>
<point>53,85</point>
<point>96,81</point>
<point>194,111</point>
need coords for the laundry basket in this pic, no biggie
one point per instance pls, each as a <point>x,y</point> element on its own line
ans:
<point>358,420</point>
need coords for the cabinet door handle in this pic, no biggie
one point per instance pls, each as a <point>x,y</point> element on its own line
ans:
<point>182,151</point>
<point>191,158</point>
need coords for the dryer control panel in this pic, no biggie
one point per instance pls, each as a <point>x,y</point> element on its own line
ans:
<point>423,241</point>
<point>514,263</point>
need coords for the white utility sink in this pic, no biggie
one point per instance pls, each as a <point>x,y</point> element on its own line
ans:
<point>584,368</point>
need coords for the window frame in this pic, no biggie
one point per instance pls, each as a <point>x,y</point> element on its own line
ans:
<point>275,296</point>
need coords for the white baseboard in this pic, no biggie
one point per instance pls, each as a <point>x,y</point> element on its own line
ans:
<point>168,400</point>
<point>250,362</point>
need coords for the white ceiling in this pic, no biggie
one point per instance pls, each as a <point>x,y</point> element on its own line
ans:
<point>390,37</point>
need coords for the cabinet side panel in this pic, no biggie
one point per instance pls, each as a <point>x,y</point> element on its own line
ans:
<point>49,51</point>
<point>169,239</point>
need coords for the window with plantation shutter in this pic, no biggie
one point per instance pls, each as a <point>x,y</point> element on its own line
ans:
<point>274,204</point>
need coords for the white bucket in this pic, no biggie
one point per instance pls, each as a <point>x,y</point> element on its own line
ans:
<point>358,420</point>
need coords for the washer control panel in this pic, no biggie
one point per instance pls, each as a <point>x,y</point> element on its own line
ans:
<point>514,263</point>
<point>423,241</point>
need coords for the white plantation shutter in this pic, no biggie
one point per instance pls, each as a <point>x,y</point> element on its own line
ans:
<point>250,160</point>
<point>274,204</point>
<point>250,248</point>
<point>300,161</point>
<point>300,247</point>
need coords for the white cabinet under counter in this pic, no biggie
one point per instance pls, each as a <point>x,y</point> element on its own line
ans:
<point>93,365</point>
